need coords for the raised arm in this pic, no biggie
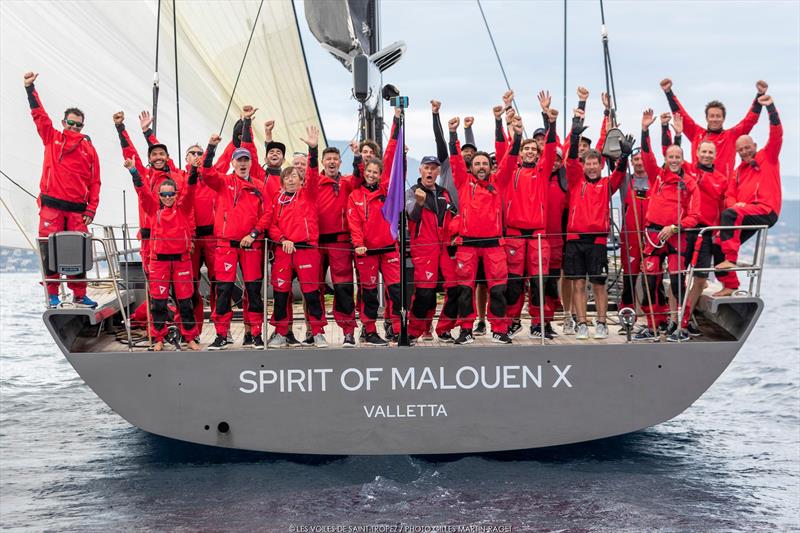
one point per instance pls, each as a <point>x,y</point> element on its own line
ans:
<point>147,198</point>
<point>311,181</point>
<point>618,176</point>
<point>548,159</point>
<point>666,134</point>
<point>689,125</point>
<point>128,150</point>
<point>574,167</point>
<point>500,141</point>
<point>209,174</point>
<point>648,158</point>
<point>753,113</point>
<point>457,165</point>
<point>44,126</point>
<point>469,135</point>
<point>506,167</point>
<point>247,142</point>
<point>146,121</point>
<point>438,133</point>
<point>773,147</point>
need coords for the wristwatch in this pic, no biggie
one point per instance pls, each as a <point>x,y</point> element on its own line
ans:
<point>254,234</point>
<point>674,228</point>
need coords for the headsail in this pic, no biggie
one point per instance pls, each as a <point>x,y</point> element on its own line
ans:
<point>108,66</point>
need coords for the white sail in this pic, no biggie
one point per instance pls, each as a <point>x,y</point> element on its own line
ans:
<point>99,56</point>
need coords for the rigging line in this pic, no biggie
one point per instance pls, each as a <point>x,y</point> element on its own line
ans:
<point>244,57</point>
<point>155,73</point>
<point>564,133</point>
<point>26,191</point>
<point>499,61</point>
<point>19,226</point>
<point>177,89</point>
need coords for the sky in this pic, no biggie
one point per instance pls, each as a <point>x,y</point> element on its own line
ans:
<point>711,50</point>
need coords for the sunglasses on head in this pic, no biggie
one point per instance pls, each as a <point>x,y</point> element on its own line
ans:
<point>75,123</point>
<point>195,152</point>
<point>167,194</point>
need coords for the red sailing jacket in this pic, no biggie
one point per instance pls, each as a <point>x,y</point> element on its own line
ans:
<point>666,192</point>
<point>71,169</point>
<point>557,205</point>
<point>480,201</point>
<point>713,185</point>
<point>172,227</point>
<point>240,205</point>
<point>589,200</point>
<point>759,182</point>
<point>526,192</point>
<point>152,178</point>
<point>367,225</point>
<point>429,224</point>
<point>724,140</point>
<point>636,202</point>
<point>294,216</point>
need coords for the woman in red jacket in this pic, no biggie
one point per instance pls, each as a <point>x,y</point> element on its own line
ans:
<point>375,248</point>
<point>170,262</point>
<point>295,230</point>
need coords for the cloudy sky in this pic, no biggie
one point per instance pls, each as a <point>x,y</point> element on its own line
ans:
<point>711,50</point>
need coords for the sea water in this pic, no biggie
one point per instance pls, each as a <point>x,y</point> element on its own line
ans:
<point>731,462</point>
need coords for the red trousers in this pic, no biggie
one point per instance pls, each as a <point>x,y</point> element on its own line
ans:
<point>494,262</point>
<point>368,266</point>
<point>179,275</point>
<point>522,257</point>
<point>52,220</point>
<point>305,263</point>
<point>338,256</point>
<point>250,260</point>
<point>431,262</point>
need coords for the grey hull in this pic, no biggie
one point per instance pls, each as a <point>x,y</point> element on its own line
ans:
<point>604,391</point>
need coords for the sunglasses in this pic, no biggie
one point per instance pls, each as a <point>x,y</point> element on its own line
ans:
<point>168,194</point>
<point>195,152</point>
<point>75,123</point>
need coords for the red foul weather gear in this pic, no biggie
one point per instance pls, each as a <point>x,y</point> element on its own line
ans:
<point>589,199</point>
<point>724,140</point>
<point>387,262</point>
<point>635,194</point>
<point>54,220</point>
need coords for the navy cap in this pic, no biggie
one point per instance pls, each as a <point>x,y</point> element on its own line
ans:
<point>156,147</point>
<point>430,160</point>
<point>468,145</point>
<point>275,144</point>
<point>240,153</point>
<point>539,131</point>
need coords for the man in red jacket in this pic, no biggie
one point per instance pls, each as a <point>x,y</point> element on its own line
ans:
<point>242,219</point>
<point>480,232</point>
<point>673,208</point>
<point>69,189</point>
<point>754,192</point>
<point>588,223</point>
<point>715,117</point>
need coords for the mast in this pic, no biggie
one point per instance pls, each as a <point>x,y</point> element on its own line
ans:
<point>373,120</point>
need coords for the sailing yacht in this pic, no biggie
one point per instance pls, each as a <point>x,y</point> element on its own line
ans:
<point>432,398</point>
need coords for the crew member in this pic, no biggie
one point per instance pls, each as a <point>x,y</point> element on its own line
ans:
<point>294,228</point>
<point>69,189</point>
<point>241,220</point>
<point>754,194</point>
<point>170,262</point>
<point>481,232</point>
<point>588,225</point>
<point>724,139</point>
<point>674,207</point>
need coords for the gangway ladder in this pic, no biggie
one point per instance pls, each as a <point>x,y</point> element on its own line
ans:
<point>71,253</point>
<point>753,269</point>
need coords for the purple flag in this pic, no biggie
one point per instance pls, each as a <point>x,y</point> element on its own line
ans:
<point>395,198</point>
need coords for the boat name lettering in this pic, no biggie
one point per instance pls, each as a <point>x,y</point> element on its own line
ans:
<point>408,378</point>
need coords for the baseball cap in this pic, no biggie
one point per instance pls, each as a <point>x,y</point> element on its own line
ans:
<point>430,160</point>
<point>240,153</point>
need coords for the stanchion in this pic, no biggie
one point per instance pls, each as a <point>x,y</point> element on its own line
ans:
<point>541,288</point>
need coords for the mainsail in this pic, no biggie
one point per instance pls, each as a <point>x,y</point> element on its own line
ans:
<point>99,56</point>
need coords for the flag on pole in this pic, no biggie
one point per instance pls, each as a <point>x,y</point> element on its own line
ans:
<point>395,198</point>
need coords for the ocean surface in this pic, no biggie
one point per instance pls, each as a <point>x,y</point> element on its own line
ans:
<point>731,462</point>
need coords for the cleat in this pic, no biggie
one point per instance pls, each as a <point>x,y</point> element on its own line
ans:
<point>84,302</point>
<point>220,343</point>
<point>54,301</point>
<point>349,341</point>
<point>535,333</point>
<point>680,335</point>
<point>693,330</point>
<point>515,328</point>
<point>465,337</point>
<point>248,340</point>
<point>501,338</point>
<point>291,340</point>
<point>320,341</point>
<point>446,337</point>
<point>600,331</point>
<point>277,341</point>
<point>549,333</point>
<point>373,339</point>
<point>645,335</point>
<point>480,329</point>
<point>258,342</point>
<point>582,332</point>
